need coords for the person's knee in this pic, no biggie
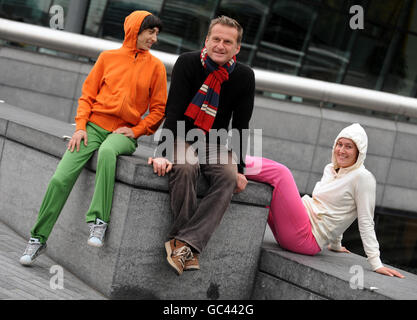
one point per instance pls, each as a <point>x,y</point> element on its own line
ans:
<point>227,176</point>
<point>185,171</point>
<point>60,181</point>
<point>106,154</point>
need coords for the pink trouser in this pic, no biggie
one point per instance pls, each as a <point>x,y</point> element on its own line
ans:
<point>288,217</point>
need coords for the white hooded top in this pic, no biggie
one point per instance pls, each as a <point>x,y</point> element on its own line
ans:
<point>344,195</point>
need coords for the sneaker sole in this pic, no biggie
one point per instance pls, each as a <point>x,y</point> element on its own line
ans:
<point>193,268</point>
<point>169,259</point>
<point>23,263</point>
<point>94,244</point>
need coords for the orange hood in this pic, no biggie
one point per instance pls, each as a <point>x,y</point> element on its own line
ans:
<point>132,25</point>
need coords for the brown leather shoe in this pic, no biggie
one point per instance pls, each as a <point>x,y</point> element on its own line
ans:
<point>177,253</point>
<point>192,264</point>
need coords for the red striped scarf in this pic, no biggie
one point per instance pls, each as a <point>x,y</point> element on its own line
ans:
<point>203,107</point>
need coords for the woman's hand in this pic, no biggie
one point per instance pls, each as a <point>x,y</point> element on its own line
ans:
<point>342,249</point>
<point>389,272</point>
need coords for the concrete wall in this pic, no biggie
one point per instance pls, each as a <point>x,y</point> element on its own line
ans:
<point>132,263</point>
<point>299,136</point>
<point>44,84</point>
<point>284,275</point>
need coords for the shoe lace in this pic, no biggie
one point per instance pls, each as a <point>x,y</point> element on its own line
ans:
<point>97,230</point>
<point>31,248</point>
<point>184,253</point>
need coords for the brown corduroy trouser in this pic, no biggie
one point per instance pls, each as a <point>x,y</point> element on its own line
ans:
<point>194,222</point>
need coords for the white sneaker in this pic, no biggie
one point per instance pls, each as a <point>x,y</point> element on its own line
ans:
<point>33,249</point>
<point>97,232</point>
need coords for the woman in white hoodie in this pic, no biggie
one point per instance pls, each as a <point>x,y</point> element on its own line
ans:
<point>345,192</point>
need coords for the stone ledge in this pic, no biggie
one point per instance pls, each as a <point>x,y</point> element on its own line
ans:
<point>45,134</point>
<point>132,264</point>
<point>324,276</point>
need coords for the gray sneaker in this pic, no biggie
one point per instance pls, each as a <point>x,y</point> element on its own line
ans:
<point>97,232</point>
<point>33,249</point>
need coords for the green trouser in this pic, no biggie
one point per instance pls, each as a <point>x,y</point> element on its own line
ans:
<point>109,146</point>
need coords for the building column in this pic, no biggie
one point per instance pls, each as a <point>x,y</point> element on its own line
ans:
<point>77,11</point>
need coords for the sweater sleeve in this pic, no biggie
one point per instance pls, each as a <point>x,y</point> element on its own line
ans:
<point>241,117</point>
<point>90,89</point>
<point>157,102</point>
<point>179,96</point>
<point>365,191</point>
<point>180,93</point>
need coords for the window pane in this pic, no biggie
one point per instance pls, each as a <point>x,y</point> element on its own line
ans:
<point>185,25</point>
<point>402,76</point>
<point>283,43</point>
<point>94,16</point>
<point>412,18</point>
<point>397,237</point>
<point>30,11</point>
<point>117,10</point>
<point>384,12</point>
<point>368,56</point>
<point>329,49</point>
<point>251,16</point>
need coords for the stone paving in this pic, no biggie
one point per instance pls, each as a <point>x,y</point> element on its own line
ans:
<point>40,281</point>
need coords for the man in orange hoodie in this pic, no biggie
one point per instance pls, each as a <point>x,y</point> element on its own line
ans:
<point>123,85</point>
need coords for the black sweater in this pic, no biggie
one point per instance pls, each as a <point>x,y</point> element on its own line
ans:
<point>235,102</point>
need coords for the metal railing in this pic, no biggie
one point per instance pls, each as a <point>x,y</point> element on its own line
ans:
<point>265,80</point>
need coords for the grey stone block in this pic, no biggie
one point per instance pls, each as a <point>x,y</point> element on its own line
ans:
<point>378,166</point>
<point>332,275</point>
<point>270,288</point>
<point>405,146</point>
<point>3,125</point>
<point>1,146</point>
<point>286,124</point>
<point>376,134</point>
<point>39,59</point>
<point>380,188</point>
<point>322,157</point>
<point>144,273</point>
<point>44,104</point>
<point>294,155</point>
<point>132,264</point>
<point>403,174</point>
<point>47,80</point>
<point>399,198</point>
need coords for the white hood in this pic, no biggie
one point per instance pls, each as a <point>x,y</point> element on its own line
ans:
<point>358,135</point>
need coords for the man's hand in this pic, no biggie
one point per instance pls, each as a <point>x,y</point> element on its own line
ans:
<point>160,165</point>
<point>240,183</point>
<point>75,141</point>
<point>128,132</point>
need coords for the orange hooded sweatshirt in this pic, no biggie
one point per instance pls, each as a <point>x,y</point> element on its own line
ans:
<point>123,84</point>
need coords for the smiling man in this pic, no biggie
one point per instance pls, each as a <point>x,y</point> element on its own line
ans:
<point>122,86</point>
<point>209,88</point>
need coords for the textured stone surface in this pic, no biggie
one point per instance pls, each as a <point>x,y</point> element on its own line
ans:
<point>132,264</point>
<point>328,275</point>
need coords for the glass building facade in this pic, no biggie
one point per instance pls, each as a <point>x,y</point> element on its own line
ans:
<point>307,38</point>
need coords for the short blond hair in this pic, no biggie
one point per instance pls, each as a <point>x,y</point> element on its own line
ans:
<point>227,21</point>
